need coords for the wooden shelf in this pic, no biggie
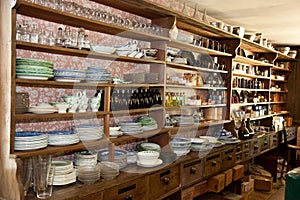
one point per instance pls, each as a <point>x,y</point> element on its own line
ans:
<point>261,117</point>
<point>196,49</point>
<point>81,53</point>
<point>62,149</point>
<point>280,69</point>
<point>30,117</point>
<point>284,112</point>
<point>257,90</point>
<point>170,108</point>
<point>276,80</point>
<point>250,76</point>
<point>60,17</point>
<point>273,91</point>
<point>135,111</point>
<point>249,104</point>
<point>141,85</point>
<point>255,47</point>
<point>279,102</point>
<point>199,69</point>
<point>249,61</point>
<point>283,57</point>
<point>198,88</point>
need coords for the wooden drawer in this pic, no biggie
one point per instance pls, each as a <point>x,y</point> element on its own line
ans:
<point>212,164</point>
<point>264,143</point>
<point>187,194</point>
<point>227,158</point>
<point>255,147</point>
<point>216,183</point>
<point>83,196</point>
<point>238,157</point>
<point>131,190</point>
<point>246,155</point>
<point>238,172</point>
<point>163,182</point>
<point>228,176</point>
<point>273,140</point>
<point>238,148</point>
<point>192,171</point>
<point>200,188</point>
<point>246,145</point>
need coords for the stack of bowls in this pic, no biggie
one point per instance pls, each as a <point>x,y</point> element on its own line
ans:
<point>64,172</point>
<point>120,157</point>
<point>148,123</point>
<point>109,170</point>
<point>69,75</point>
<point>180,146</point>
<point>89,132</point>
<point>131,157</point>
<point>131,127</point>
<point>115,132</point>
<point>199,144</point>
<point>88,174</point>
<point>85,158</point>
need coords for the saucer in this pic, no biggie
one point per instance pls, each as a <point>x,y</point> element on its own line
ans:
<point>157,163</point>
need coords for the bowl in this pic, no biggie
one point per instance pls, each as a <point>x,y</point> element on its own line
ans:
<point>147,157</point>
<point>131,157</point>
<point>211,139</point>
<point>180,142</point>
<point>239,31</point>
<point>120,157</point>
<point>168,157</point>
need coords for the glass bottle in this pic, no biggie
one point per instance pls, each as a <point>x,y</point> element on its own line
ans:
<point>43,37</point>
<point>18,31</point>
<point>59,37</point>
<point>86,42</point>
<point>74,38</point>
<point>67,37</point>
<point>243,132</point>
<point>34,35</point>
<point>80,38</point>
<point>141,99</point>
<point>250,129</point>
<point>51,39</point>
<point>158,97</point>
<point>26,31</point>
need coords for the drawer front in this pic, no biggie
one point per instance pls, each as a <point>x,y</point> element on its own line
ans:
<point>192,171</point>
<point>238,157</point>
<point>273,140</point>
<point>255,147</point>
<point>246,155</point>
<point>246,146</point>
<point>228,158</point>
<point>238,148</point>
<point>264,143</point>
<point>133,190</point>
<point>163,182</point>
<point>212,164</point>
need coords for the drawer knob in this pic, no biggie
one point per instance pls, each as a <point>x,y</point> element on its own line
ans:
<point>230,157</point>
<point>193,170</point>
<point>213,163</point>
<point>165,180</point>
<point>128,197</point>
<point>255,147</point>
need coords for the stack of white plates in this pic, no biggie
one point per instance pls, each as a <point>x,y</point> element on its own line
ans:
<point>64,172</point>
<point>98,75</point>
<point>131,128</point>
<point>35,69</point>
<point>30,140</point>
<point>89,174</point>
<point>84,158</point>
<point>62,138</point>
<point>89,132</point>
<point>43,109</point>
<point>69,75</point>
<point>115,132</point>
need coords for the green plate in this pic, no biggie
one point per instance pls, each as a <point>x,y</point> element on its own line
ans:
<point>34,74</point>
<point>34,68</point>
<point>36,62</point>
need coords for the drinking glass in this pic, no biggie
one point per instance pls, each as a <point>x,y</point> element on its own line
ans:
<point>26,174</point>
<point>44,175</point>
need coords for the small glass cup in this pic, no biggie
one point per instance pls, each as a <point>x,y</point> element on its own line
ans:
<point>44,175</point>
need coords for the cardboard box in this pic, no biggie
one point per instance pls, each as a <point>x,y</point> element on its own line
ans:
<point>228,176</point>
<point>216,183</point>
<point>263,183</point>
<point>238,172</point>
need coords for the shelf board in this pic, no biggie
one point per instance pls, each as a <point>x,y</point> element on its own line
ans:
<point>62,149</point>
<point>196,49</point>
<point>255,47</point>
<point>249,61</point>
<point>60,17</point>
<point>197,88</point>
<point>81,53</point>
<point>200,69</point>
<point>30,117</point>
<point>284,112</point>
<point>142,85</point>
<point>261,117</point>
<point>170,108</point>
<point>279,102</point>
<point>250,76</point>
<point>280,69</point>
<point>199,125</point>
<point>249,104</point>
<point>257,90</point>
<point>283,57</point>
<point>276,80</point>
<point>136,111</point>
<point>273,91</point>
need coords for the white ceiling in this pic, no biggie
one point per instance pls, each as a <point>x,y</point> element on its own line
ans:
<point>278,20</point>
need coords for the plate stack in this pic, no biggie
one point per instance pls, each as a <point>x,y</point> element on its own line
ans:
<point>34,69</point>
<point>43,109</point>
<point>84,158</point>
<point>148,123</point>
<point>58,138</point>
<point>180,146</point>
<point>109,170</point>
<point>64,172</point>
<point>30,140</point>
<point>69,75</point>
<point>115,132</point>
<point>89,132</point>
<point>120,157</point>
<point>131,128</point>
<point>183,120</point>
<point>88,174</point>
<point>98,75</point>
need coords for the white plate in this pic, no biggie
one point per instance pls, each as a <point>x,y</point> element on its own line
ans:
<point>231,141</point>
<point>67,80</point>
<point>33,77</point>
<point>199,140</point>
<point>157,163</point>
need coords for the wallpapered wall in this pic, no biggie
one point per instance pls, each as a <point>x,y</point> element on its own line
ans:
<point>47,95</point>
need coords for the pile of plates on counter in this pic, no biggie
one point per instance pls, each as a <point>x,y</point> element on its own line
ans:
<point>69,75</point>
<point>148,123</point>
<point>88,174</point>
<point>58,138</point>
<point>64,172</point>
<point>89,132</point>
<point>120,157</point>
<point>30,140</point>
<point>28,68</point>
<point>98,75</point>
<point>84,158</point>
<point>43,109</point>
<point>131,127</point>
<point>181,146</point>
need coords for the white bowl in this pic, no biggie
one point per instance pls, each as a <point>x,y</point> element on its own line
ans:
<point>147,157</point>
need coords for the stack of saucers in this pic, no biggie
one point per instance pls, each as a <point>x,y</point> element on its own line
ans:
<point>120,157</point>
<point>35,69</point>
<point>115,132</point>
<point>148,123</point>
<point>88,173</point>
<point>30,140</point>
<point>64,172</point>
<point>98,75</point>
<point>89,132</point>
<point>131,127</point>
<point>180,146</point>
<point>69,75</point>
<point>58,138</point>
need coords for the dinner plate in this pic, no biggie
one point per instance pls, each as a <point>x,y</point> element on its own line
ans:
<point>157,163</point>
<point>33,77</point>
<point>67,80</point>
